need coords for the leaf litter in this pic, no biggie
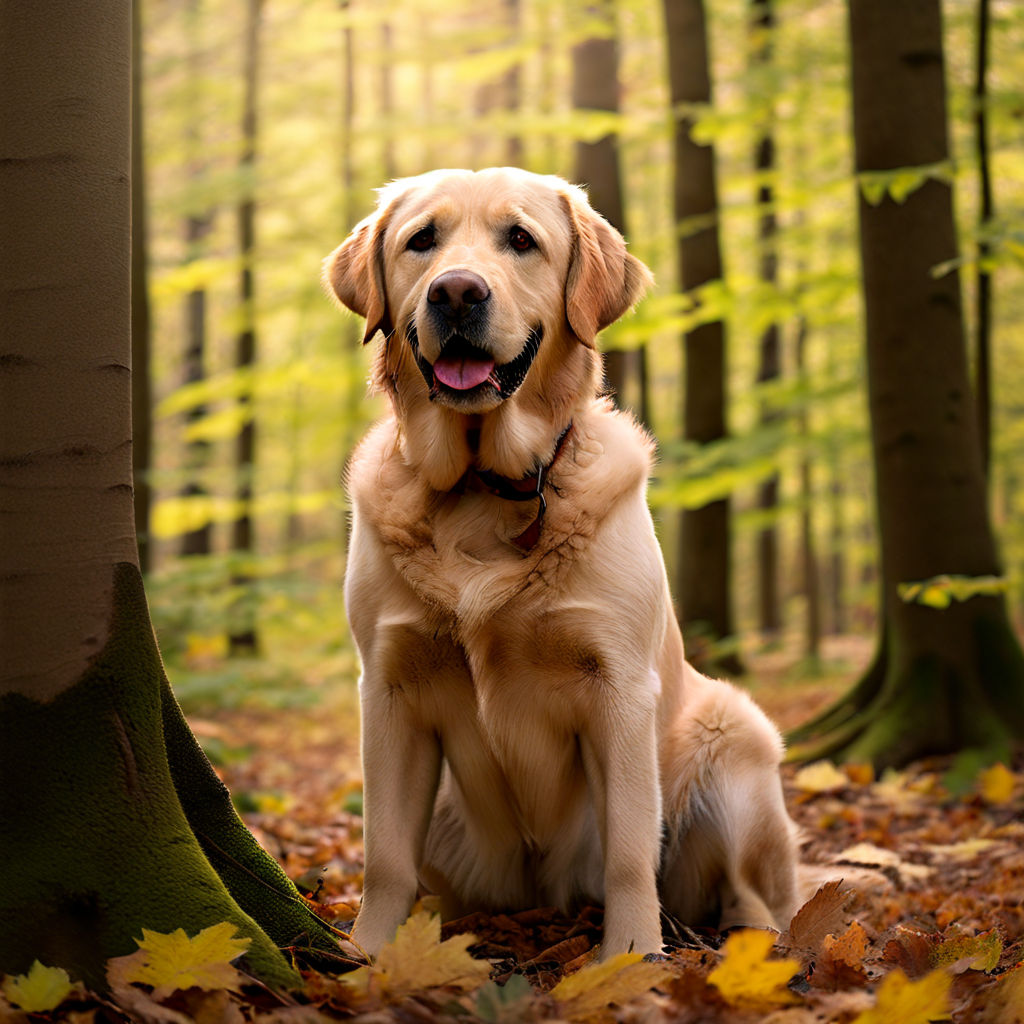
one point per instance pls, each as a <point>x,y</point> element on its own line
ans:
<point>914,913</point>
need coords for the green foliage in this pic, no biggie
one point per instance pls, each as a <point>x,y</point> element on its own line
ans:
<point>427,89</point>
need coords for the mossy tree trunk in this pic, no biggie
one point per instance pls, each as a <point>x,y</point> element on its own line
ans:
<point>704,573</point>
<point>944,679</point>
<point>113,820</point>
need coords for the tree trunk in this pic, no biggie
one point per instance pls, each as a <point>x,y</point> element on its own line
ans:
<point>986,210</point>
<point>142,401</point>
<point>242,636</point>
<point>808,546</point>
<point>386,91</point>
<point>704,573</point>
<point>197,226</point>
<point>953,678</point>
<point>595,86</point>
<point>104,794</point>
<point>762,24</point>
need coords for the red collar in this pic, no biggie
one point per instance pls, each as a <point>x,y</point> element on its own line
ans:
<point>524,489</point>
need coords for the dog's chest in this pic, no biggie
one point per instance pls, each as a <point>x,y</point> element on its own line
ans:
<point>461,559</point>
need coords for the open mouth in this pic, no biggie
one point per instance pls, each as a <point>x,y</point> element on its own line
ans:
<point>464,370</point>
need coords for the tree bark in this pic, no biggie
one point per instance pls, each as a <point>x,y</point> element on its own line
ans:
<point>142,401</point>
<point>242,636</point>
<point>986,210</point>
<point>704,573</point>
<point>103,790</point>
<point>595,86</point>
<point>946,679</point>
<point>762,24</point>
<point>198,222</point>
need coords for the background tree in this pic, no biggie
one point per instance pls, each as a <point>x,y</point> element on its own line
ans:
<point>952,677</point>
<point>595,86</point>
<point>986,211</point>
<point>111,812</point>
<point>242,638</point>
<point>198,222</point>
<point>703,575</point>
<point>762,25</point>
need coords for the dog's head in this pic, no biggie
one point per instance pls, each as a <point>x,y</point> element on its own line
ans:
<point>483,283</point>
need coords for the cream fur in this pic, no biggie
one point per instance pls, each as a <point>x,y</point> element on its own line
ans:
<point>531,732</point>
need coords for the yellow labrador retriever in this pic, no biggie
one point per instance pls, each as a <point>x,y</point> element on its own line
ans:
<point>532,735</point>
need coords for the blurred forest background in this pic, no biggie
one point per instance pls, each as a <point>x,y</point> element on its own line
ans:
<point>265,125</point>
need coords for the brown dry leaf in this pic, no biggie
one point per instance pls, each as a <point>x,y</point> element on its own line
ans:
<point>910,950</point>
<point>747,978</point>
<point>1003,1002</point>
<point>841,964</point>
<point>417,960</point>
<point>587,994</point>
<point>823,914</point>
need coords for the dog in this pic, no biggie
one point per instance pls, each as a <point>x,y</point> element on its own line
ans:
<point>531,733</point>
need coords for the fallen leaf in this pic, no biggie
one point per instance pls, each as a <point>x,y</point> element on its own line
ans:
<point>902,1001</point>
<point>968,849</point>
<point>821,915</point>
<point>1003,1002</point>
<point>996,784</point>
<point>869,855</point>
<point>41,990</point>
<point>587,994</point>
<point>820,777</point>
<point>840,964</point>
<point>981,952</point>
<point>910,950</point>
<point>860,774</point>
<point>503,1004</point>
<point>418,959</point>
<point>747,978</point>
<point>173,961</point>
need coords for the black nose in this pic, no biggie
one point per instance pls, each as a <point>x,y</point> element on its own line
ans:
<point>455,292</point>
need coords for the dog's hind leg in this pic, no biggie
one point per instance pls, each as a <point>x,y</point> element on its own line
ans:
<point>730,852</point>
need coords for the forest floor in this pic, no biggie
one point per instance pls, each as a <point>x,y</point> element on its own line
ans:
<point>915,883</point>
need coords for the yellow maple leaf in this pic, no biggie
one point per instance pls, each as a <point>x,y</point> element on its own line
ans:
<point>587,994</point>
<point>747,978</point>
<point>41,990</point>
<point>902,1001</point>
<point>820,777</point>
<point>996,784</point>
<point>418,959</point>
<point>173,961</point>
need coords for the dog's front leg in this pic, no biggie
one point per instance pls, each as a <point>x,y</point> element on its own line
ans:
<point>619,750</point>
<point>401,769</point>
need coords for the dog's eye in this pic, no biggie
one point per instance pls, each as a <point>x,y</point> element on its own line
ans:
<point>422,240</point>
<point>520,239</point>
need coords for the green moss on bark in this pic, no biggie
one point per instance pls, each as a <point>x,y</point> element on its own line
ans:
<point>94,844</point>
<point>252,876</point>
<point>936,698</point>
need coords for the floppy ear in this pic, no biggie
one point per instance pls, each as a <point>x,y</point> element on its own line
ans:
<point>354,273</point>
<point>604,279</point>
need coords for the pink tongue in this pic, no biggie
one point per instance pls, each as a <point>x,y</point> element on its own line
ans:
<point>461,373</point>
